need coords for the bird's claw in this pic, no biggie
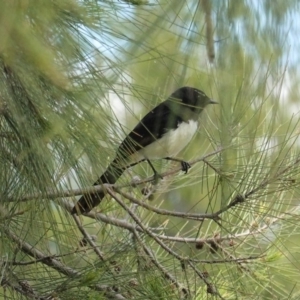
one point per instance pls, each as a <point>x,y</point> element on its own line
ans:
<point>185,166</point>
<point>156,177</point>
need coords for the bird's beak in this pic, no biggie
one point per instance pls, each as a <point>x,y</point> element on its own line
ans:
<point>213,101</point>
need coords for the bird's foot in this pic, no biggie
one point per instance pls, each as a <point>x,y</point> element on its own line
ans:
<point>156,178</point>
<point>185,166</point>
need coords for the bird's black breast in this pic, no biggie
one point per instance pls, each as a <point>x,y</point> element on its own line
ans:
<point>156,123</point>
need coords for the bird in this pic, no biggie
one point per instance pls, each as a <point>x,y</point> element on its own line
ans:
<point>161,134</point>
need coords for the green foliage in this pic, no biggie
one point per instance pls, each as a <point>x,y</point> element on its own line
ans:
<point>75,77</point>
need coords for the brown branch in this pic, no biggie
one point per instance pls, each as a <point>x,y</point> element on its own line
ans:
<point>37,254</point>
<point>35,261</point>
<point>98,188</point>
<point>234,259</point>
<point>185,215</point>
<point>231,260</point>
<point>206,6</point>
<point>103,218</point>
<point>22,287</point>
<point>144,229</point>
<point>153,259</point>
<point>206,240</point>
<point>150,234</point>
<point>88,238</point>
<point>55,264</point>
<point>210,288</point>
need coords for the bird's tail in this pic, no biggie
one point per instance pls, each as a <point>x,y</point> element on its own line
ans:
<point>88,201</point>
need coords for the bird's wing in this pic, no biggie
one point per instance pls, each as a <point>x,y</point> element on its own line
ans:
<point>149,129</point>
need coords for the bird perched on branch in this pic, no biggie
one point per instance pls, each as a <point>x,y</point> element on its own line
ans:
<point>161,134</point>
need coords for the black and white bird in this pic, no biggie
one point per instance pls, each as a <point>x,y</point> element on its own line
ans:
<point>161,134</point>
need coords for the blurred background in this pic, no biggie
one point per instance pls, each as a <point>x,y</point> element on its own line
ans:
<point>76,77</point>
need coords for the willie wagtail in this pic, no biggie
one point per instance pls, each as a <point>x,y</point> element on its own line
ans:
<point>161,134</point>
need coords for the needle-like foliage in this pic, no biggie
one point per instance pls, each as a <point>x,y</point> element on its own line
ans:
<point>76,77</point>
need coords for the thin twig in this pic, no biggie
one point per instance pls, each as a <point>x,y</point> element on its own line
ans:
<point>240,198</point>
<point>98,188</point>
<point>185,215</point>
<point>88,238</point>
<point>158,265</point>
<point>55,264</point>
<point>148,232</point>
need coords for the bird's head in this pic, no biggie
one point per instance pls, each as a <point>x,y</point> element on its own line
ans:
<point>193,98</point>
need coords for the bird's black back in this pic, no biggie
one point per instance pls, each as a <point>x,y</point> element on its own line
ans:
<point>156,123</point>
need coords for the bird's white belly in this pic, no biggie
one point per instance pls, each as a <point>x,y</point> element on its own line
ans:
<point>170,144</point>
